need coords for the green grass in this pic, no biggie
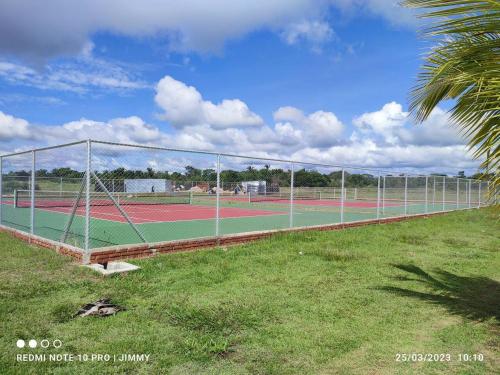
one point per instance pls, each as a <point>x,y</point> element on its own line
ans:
<point>318,302</point>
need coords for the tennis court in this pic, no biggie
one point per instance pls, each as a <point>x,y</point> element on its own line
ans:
<point>93,194</point>
<point>162,218</point>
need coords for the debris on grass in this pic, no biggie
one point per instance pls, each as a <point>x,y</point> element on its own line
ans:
<point>101,308</point>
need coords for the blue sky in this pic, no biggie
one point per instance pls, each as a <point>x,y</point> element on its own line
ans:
<point>321,81</point>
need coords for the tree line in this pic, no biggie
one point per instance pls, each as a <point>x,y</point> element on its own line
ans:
<point>191,175</point>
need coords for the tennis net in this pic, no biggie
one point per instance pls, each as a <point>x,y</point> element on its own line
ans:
<point>282,196</point>
<point>46,199</point>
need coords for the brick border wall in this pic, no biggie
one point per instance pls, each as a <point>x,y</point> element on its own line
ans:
<point>114,253</point>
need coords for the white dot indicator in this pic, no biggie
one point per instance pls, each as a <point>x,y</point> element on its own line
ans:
<point>44,343</point>
<point>32,343</point>
<point>57,343</point>
<point>20,343</point>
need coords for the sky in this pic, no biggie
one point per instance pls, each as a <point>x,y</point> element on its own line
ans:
<point>323,81</point>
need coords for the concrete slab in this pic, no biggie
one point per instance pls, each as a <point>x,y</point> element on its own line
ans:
<point>113,267</point>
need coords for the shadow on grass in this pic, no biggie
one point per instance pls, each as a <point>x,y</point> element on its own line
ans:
<point>475,298</point>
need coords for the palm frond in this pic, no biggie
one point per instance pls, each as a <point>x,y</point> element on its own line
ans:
<point>463,66</point>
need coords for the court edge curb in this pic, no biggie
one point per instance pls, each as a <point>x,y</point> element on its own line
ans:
<point>119,252</point>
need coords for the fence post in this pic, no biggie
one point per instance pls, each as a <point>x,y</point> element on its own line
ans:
<point>378,197</point>
<point>1,188</point>
<point>458,196</point>
<point>86,258</point>
<point>342,199</point>
<point>217,197</point>
<point>444,191</point>
<point>433,193</point>
<point>406,194</point>
<point>489,196</point>
<point>426,195</point>
<point>32,208</point>
<point>383,196</point>
<point>470,192</point>
<point>479,195</point>
<point>292,181</point>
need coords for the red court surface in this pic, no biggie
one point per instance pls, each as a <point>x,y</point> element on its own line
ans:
<point>140,214</point>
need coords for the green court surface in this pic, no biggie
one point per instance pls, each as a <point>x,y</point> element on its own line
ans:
<point>50,223</point>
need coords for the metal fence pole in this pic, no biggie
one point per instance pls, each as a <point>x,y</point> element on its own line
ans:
<point>466,193</point>
<point>434,193</point>
<point>478,196</point>
<point>342,199</point>
<point>60,184</point>
<point>87,202</point>
<point>489,196</point>
<point>426,194</point>
<point>1,188</point>
<point>378,197</point>
<point>217,196</point>
<point>383,196</point>
<point>458,196</point>
<point>32,188</point>
<point>406,195</point>
<point>470,191</point>
<point>292,181</point>
<point>444,191</point>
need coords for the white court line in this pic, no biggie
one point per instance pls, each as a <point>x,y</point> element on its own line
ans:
<point>222,218</point>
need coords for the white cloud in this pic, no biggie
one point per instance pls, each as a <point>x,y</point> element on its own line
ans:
<point>395,126</point>
<point>390,10</point>
<point>316,137</point>
<point>287,134</point>
<point>315,33</point>
<point>438,130</point>
<point>6,99</point>
<point>11,127</point>
<point>325,128</point>
<point>124,129</point>
<point>184,106</point>
<point>39,30</point>
<point>34,29</point>
<point>319,129</point>
<point>289,114</point>
<point>368,154</point>
<point>384,122</point>
<point>79,76</point>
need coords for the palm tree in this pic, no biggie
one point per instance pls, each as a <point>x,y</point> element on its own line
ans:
<point>463,66</point>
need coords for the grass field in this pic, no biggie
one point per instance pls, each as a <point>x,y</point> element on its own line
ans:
<point>341,302</point>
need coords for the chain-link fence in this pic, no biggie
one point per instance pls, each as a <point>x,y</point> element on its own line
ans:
<point>94,194</point>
